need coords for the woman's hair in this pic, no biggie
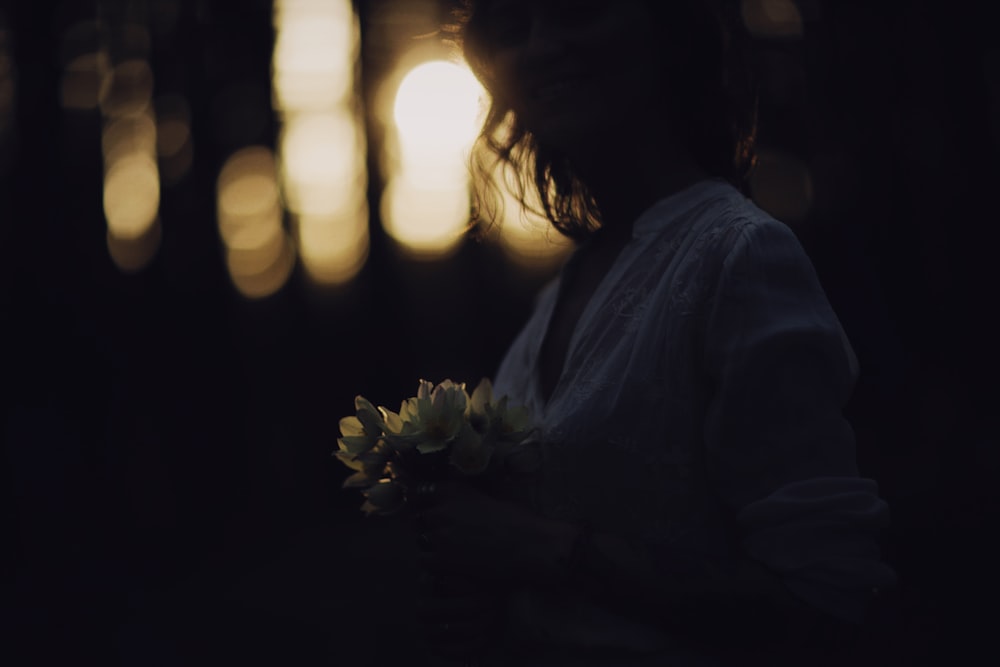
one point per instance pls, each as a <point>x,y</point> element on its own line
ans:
<point>717,110</point>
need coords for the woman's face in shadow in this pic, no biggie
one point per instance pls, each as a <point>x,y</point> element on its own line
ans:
<point>578,74</point>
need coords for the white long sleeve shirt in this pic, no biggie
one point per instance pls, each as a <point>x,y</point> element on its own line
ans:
<point>699,410</point>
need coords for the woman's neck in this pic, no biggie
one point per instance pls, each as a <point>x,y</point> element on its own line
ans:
<point>632,176</point>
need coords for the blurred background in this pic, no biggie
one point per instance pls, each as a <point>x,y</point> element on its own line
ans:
<point>219,222</point>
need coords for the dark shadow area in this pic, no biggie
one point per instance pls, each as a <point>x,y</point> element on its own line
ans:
<point>168,491</point>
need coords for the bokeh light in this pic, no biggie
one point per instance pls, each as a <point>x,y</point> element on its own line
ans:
<point>130,91</point>
<point>436,115</point>
<point>321,143</point>
<point>86,80</point>
<point>131,188</point>
<point>257,279</point>
<point>322,164</point>
<point>333,251</point>
<point>174,144</point>
<point>428,220</point>
<point>314,54</point>
<point>526,237</point>
<point>86,73</point>
<point>122,89</point>
<point>774,19</point>
<point>258,252</point>
<point>131,196</point>
<point>128,135</point>
<point>133,254</point>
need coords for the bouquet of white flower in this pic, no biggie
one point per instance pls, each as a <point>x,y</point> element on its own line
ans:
<point>441,429</point>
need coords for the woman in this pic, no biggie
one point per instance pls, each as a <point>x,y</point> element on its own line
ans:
<point>697,500</point>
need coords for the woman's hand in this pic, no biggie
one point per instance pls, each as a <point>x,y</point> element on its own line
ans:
<point>473,547</point>
<point>467,533</point>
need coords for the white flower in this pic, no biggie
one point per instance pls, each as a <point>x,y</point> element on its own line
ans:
<point>470,454</point>
<point>383,498</point>
<point>360,433</point>
<point>370,466</point>
<point>433,418</point>
<point>385,448</point>
<point>495,420</point>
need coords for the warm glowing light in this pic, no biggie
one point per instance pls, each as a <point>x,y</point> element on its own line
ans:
<point>171,135</point>
<point>323,164</point>
<point>333,250</point>
<point>254,253</point>
<point>247,195</point>
<point>428,222</point>
<point>436,111</point>
<point>173,125</point>
<point>257,280</point>
<point>174,144</point>
<point>249,215</point>
<point>248,206</point>
<point>526,237</point>
<point>128,135</point>
<point>132,255</point>
<point>437,114</point>
<point>530,240</point>
<point>85,82</point>
<point>321,145</point>
<point>314,54</point>
<point>86,75</point>
<point>131,89</point>
<point>773,18</point>
<point>131,196</point>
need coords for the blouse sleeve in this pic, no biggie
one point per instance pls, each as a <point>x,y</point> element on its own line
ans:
<point>779,450</point>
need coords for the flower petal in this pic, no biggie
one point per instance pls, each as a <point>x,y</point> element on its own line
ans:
<point>371,420</point>
<point>362,404</point>
<point>430,446</point>
<point>424,389</point>
<point>350,460</point>
<point>393,422</point>
<point>469,453</point>
<point>358,444</point>
<point>351,426</point>
<point>386,496</point>
<point>359,480</point>
<point>482,395</point>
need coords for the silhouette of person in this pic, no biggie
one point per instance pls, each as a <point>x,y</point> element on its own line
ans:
<point>696,500</point>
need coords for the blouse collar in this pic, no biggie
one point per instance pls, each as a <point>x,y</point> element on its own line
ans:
<point>672,208</point>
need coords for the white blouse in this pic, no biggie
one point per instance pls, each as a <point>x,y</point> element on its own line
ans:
<point>700,409</point>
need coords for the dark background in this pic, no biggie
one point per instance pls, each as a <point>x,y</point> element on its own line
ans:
<point>168,491</point>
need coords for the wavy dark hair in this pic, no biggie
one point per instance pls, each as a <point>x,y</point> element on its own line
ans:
<point>718,112</point>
